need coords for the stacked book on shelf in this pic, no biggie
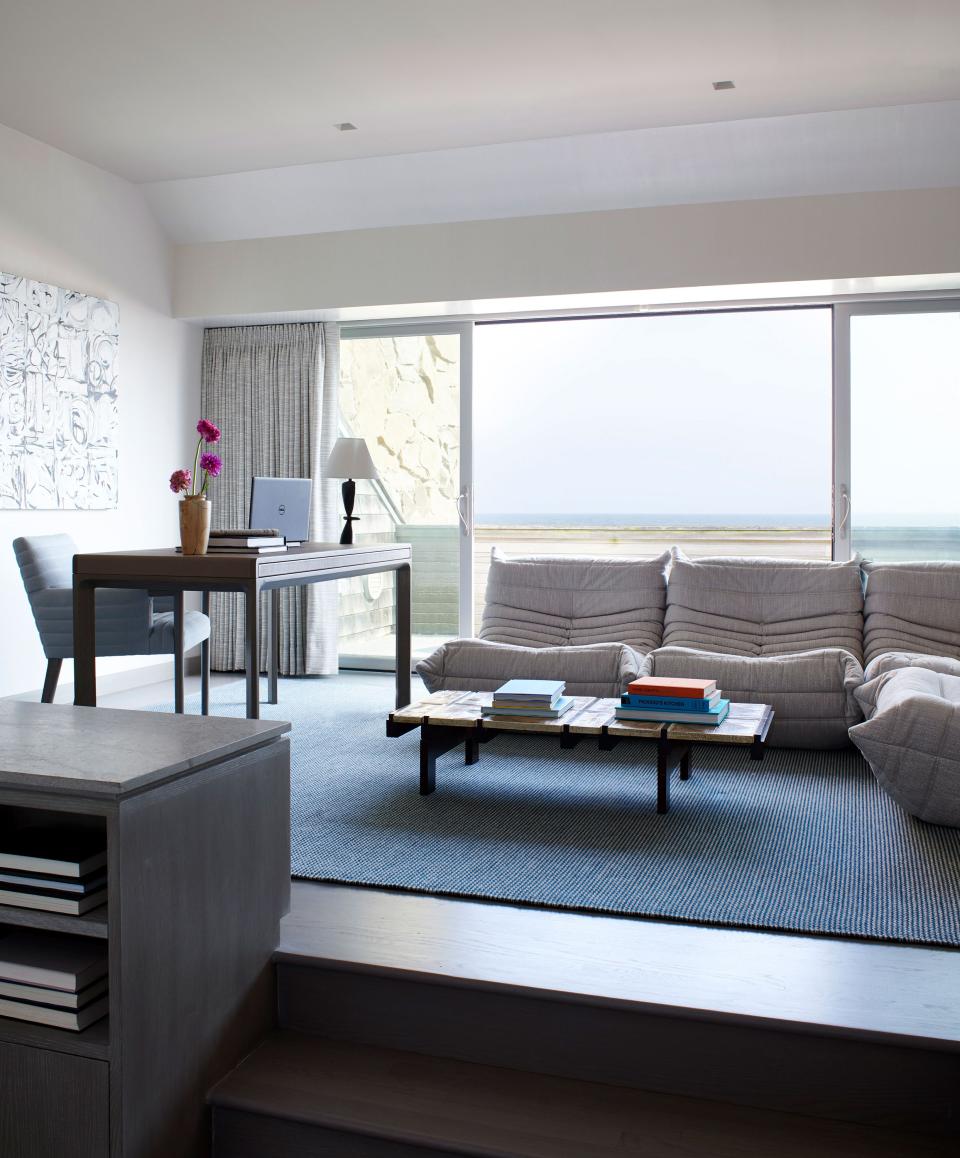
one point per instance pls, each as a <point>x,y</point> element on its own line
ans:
<point>678,701</point>
<point>56,869</point>
<point>533,699</point>
<point>263,541</point>
<point>53,978</point>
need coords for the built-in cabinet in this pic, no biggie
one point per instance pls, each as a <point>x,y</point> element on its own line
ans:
<point>196,813</point>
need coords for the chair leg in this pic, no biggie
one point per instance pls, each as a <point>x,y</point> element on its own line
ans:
<point>50,681</point>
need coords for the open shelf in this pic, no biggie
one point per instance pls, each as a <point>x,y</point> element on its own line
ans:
<point>92,924</point>
<point>94,1041</point>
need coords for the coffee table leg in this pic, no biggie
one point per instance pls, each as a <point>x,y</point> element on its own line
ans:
<point>471,752</point>
<point>435,739</point>
<point>685,764</point>
<point>663,775</point>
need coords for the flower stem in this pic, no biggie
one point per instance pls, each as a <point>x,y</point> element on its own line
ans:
<point>196,466</point>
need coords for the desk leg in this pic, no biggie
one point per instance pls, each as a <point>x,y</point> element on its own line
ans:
<point>251,649</point>
<point>273,646</point>
<point>205,660</point>
<point>404,641</point>
<point>84,644</point>
<point>178,653</point>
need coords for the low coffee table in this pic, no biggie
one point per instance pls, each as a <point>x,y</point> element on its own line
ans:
<point>448,719</point>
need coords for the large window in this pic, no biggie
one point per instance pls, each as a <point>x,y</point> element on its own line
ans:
<point>400,391</point>
<point>811,432</point>
<point>626,435</point>
<point>904,491</point>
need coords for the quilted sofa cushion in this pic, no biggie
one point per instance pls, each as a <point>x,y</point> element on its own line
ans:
<point>763,607</point>
<point>550,601</point>
<point>811,692</point>
<point>475,665</point>
<point>912,741</point>
<point>912,608</point>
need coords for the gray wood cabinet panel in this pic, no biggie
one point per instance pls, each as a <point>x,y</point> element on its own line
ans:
<point>52,1104</point>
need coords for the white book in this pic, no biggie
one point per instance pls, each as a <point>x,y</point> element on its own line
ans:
<point>53,960</point>
<point>52,902</point>
<point>75,1019</point>
<point>60,997</point>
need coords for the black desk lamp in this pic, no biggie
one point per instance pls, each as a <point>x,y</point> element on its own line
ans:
<point>349,460</point>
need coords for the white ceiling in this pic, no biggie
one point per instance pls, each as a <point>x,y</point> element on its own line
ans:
<point>854,151</point>
<point>160,89</point>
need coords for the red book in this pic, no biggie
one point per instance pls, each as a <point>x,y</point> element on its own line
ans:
<point>683,689</point>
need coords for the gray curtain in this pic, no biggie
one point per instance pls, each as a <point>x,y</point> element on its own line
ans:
<point>273,392</point>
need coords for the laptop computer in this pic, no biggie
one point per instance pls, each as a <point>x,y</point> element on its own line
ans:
<point>283,503</point>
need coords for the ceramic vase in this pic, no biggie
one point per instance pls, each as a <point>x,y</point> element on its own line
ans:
<point>194,524</point>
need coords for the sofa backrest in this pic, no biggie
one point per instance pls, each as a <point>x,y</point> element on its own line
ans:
<point>763,606</point>
<point>912,607</point>
<point>544,601</point>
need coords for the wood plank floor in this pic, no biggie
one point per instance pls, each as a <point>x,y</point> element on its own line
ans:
<point>344,1090</point>
<point>874,991</point>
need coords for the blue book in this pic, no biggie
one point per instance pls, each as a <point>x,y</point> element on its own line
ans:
<point>670,703</point>
<point>657,716</point>
<point>547,690</point>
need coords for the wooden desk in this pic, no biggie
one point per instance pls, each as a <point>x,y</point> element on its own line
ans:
<point>167,572</point>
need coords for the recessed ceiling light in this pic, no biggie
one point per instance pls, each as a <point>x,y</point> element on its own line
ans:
<point>345,127</point>
<point>721,84</point>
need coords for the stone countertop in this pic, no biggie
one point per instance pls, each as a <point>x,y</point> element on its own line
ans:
<point>110,753</point>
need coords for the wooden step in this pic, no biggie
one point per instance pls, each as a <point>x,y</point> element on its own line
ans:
<point>859,1033</point>
<point>306,1096</point>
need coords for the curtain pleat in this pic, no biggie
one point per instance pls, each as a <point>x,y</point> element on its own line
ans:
<point>273,392</point>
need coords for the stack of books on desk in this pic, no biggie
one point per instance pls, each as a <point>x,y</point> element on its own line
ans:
<point>59,870</point>
<point>673,700</point>
<point>53,978</point>
<point>262,541</point>
<point>539,699</point>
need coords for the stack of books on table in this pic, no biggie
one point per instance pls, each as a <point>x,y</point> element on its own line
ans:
<point>678,701</point>
<point>53,978</point>
<point>261,540</point>
<point>533,699</point>
<point>59,870</point>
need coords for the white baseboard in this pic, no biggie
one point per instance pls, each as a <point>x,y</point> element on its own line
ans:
<point>119,681</point>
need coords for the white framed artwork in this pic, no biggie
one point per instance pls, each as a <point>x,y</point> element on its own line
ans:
<point>58,398</point>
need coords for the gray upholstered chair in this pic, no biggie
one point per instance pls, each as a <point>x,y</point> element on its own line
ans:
<point>128,622</point>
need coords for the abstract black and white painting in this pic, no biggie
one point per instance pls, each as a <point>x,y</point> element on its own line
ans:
<point>58,398</point>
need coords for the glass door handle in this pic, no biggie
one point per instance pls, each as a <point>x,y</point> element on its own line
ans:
<point>463,499</point>
<point>844,508</point>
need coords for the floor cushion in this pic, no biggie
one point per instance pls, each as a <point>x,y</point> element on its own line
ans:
<point>602,669</point>
<point>763,606</point>
<point>912,741</point>
<point>551,601</point>
<point>913,608</point>
<point>811,692</point>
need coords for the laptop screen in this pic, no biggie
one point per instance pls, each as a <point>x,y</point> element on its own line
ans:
<point>283,503</point>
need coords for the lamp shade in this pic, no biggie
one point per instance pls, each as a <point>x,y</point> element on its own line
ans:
<point>350,459</point>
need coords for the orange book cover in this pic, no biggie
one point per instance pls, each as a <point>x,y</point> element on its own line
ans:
<point>672,686</point>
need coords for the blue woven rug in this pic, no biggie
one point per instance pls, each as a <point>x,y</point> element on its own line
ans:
<point>803,842</point>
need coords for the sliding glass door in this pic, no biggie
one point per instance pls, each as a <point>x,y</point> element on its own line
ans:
<point>406,391</point>
<point>627,435</point>
<point>898,422</point>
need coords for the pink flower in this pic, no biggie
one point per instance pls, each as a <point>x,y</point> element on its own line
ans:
<point>180,480</point>
<point>211,463</point>
<point>208,431</point>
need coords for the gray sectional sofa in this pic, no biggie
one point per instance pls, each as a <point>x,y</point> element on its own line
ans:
<point>791,633</point>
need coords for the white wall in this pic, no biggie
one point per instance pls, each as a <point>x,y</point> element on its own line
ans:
<point>71,224</point>
<point>789,239</point>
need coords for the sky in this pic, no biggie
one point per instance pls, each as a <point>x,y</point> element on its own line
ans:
<point>720,413</point>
